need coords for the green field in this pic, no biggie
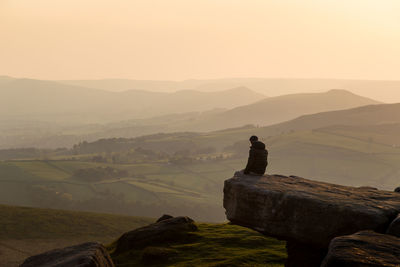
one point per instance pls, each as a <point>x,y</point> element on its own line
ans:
<point>195,188</point>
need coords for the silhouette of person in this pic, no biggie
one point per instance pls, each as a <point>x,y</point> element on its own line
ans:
<point>258,158</point>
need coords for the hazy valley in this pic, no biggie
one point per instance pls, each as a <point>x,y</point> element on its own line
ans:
<point>150,164</point>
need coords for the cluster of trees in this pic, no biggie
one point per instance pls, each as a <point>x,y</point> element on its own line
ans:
<point>134,155</point>
<point>102,145</point>
<point>140,155</point>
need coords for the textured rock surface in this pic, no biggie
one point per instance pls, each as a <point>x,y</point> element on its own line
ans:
<point>83,255</point>
<point>305,211</point>
<point>365,248</point>
<point>394,227</point>
<point>160,232</point>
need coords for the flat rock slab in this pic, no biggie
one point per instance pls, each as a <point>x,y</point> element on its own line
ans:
<point>306,211</point>
<point>84,255</point>
<point>365,248</point>
<point>161,232</point>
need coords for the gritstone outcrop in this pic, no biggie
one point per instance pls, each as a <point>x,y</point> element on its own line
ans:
<point>307,214</point>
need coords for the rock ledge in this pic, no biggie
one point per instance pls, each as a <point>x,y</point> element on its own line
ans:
<point>307,212</point>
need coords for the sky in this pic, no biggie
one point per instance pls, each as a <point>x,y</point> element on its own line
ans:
<point>200,39</point>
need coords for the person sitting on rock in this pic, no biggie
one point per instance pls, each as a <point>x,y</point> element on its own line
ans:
<point>258,158</point>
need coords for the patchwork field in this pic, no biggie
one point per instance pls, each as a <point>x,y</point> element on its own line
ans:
<point>195,188</point>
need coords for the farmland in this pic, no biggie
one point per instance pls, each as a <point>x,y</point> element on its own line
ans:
<point>190,183</point>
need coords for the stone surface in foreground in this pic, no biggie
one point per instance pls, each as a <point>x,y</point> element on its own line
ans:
<point>157,233</point>
<point>305,211</point>
<point>365,248</point>
<point>84,255</point>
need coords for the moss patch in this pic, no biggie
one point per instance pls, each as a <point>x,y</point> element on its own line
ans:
<point>211,245</point>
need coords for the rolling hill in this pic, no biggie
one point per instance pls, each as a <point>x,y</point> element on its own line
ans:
<point>282,108</point>
<point>71,124</point>
<point>367,115</point>
<point>386,91</point>
<point>67,104</point>
<point>178,171</point>
<point>265,112</point>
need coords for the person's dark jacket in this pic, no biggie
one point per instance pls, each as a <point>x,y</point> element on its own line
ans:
<point>258,159</point>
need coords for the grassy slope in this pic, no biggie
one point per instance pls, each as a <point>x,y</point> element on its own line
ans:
<point>27,223</point>
<point>215,245</point>
<point>28,231</point>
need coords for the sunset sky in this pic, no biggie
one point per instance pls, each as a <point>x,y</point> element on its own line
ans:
<point>186,39</point>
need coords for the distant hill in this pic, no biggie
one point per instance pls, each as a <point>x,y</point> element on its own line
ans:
<point>282,108</point>
<point>367,115</point>
<point>386,91</point>
<point>378,121</point>
<point>264,112</point>
<point>5,79</point>
<point>53,101</point>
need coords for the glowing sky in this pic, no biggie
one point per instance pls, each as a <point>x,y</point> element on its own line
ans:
<point>183,39</point>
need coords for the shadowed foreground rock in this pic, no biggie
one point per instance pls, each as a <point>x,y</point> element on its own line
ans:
<point>84,255</point>
<point>365,248</point>
<point>308,214</point>
<point>168,230</point>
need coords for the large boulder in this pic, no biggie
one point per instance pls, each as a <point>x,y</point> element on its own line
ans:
<point>305,211</point>
<point>84,255</point>
<point>365,248</point>
<point>161,232</point>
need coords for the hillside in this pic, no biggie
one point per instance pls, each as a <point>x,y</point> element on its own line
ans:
<point>183,173</point>
<point>76,128</point>
<point>28,231</point>
<point>265,112</point>
<point>282,108</point>
<point>366,115</point>
<point>53,101</point>
<point>48,114</point>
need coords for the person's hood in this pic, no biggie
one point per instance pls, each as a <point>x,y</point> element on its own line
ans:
<point>258,145</point>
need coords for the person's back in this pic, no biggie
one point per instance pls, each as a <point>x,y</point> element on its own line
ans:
<point>258,157</point>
